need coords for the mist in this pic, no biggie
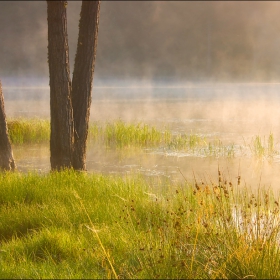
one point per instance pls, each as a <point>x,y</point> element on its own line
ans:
<point>155,50</point>
<point>153,41</point>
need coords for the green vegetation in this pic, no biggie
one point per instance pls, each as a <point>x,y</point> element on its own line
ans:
<point>120,135</point>
<point>77,225</point>
<point>29,130</point>
<point>263,148</point>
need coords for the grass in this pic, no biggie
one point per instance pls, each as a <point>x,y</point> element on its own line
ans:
<point>77,225</point>
<point>120,135</point>
<point>29,131</point>
<point>262,147</point>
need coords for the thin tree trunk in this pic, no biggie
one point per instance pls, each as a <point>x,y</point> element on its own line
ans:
<point>6,154</point>
<point>82,79</point>
<point>61,141</point>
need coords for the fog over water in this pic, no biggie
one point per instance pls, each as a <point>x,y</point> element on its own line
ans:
<point>205,67</point>
<point>153,40</point>
<point>232,113</point>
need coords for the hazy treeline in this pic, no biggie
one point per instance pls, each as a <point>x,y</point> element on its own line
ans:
<point>187,41</point>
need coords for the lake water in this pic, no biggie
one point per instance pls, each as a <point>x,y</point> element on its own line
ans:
<point>233,113</point>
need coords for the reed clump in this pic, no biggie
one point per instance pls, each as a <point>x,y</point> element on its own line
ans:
<point>29,131</point>
<point>77,225</point>
<point>262,147</point>
<point>121,135</point>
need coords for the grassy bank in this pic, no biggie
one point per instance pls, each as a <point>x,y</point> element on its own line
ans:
<point>121,135</point>
<point>78,225</point>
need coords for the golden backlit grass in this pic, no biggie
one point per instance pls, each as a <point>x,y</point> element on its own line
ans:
<point>77,225</point>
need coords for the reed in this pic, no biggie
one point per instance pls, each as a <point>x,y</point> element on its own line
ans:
<point>121,135</point>
<point>28,130</point>
<point>262,147</point>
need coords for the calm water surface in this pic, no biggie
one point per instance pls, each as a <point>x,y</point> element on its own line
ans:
<point>233,113</point>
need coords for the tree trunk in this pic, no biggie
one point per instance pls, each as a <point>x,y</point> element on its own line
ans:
<point>61,141</point>
<point>6,155</point>
<point>82,79</point>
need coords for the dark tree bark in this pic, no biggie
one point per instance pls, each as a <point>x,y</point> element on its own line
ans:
<point>82,79</point>
<point>70,108</point>
<point>61,142</point>
<point>6,154</point>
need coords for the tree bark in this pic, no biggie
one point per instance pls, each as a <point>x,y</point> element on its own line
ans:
<point>6,154</point>
<point>82,79</point>
<point>61,140</point>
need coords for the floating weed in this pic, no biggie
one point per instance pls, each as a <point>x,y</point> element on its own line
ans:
<point>217,149</point>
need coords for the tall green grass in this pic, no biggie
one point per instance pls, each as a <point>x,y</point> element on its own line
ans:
<point>117,134</point>
<point>29,130</point>
<point>262,147</point>
<point>121,135</point>
<point>77,225</point>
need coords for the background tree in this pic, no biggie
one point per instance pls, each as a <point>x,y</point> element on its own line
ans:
<point>70,108</point>
<point>6,155</point>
